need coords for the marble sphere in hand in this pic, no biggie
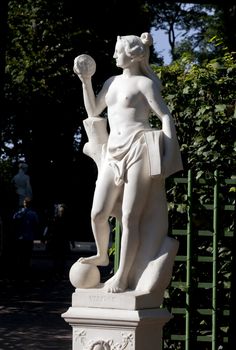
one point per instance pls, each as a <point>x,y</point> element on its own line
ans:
<point>84,65</point>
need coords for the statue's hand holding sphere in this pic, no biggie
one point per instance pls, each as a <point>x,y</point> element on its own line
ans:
<point>84,65</point>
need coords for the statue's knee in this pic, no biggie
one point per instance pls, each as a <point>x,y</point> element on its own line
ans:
<point>98,217</point>
<point>129,220</point>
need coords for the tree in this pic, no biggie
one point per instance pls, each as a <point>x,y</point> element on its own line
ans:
<point>202,101</point>
<point>197,24</point>
<point>3,29</point>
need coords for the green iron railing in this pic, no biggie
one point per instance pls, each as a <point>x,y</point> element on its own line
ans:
<point>189,339</point>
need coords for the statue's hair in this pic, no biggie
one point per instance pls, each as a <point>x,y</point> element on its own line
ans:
<point>139,47</point>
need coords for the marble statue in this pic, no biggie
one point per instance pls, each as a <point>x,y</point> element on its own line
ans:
<point>133,161</point>
<point>21,182</point>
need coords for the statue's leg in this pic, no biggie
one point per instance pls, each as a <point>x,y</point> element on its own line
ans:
<point>105,195</point>
<point>153,230</point>
<point>136,191</point>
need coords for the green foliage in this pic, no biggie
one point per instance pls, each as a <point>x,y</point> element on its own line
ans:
<point>7,195</point>
<point>39,40</point>
<point>6,171</point>
<point>201,22</point>
<point>202,101</point>
<point>190,26</point>
<point>194,22</point>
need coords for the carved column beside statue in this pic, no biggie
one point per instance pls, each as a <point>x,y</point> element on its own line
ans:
<point>133,161</point>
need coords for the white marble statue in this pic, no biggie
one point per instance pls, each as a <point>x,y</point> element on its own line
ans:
<point>133,162</point>
<point>21,182</point>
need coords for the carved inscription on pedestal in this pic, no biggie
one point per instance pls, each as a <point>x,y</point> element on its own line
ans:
<point>102,298</point>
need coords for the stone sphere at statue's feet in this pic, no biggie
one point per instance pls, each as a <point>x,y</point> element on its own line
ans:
<point>84,275</point>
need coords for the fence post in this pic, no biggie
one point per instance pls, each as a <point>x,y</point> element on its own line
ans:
<point>188,262</point>
<point>214,256</point>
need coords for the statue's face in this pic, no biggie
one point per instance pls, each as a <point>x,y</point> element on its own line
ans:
<point>122,60</point>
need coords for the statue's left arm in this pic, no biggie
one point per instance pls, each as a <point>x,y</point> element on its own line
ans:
<point>172,158</point>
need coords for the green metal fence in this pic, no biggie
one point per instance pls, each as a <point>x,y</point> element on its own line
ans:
<point>206,257</point>
<point>199,296</point>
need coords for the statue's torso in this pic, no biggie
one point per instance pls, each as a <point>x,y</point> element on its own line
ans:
<point>128,110</point>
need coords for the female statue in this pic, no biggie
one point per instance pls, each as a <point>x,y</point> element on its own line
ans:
<point>136,160</point>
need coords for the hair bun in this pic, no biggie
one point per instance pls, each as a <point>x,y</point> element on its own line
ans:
<point>147,39</point>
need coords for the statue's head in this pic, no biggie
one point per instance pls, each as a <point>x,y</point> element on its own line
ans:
<point>135,46</point>
<point>138,49</point>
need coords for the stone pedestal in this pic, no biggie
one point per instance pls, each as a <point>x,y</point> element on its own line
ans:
<point>132,320</point>
<point>113,329</point>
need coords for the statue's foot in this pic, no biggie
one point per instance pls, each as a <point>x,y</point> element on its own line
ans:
<point>95,260</point>
<point>115,285</point>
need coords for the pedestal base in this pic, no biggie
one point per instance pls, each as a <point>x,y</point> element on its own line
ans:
<point>111,329</point>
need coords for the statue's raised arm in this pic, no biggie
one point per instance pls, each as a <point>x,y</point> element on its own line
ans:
<point>85,67</point>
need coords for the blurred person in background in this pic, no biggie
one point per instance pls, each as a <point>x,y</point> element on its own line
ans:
<point>57,237</point>
<point>26,226</point>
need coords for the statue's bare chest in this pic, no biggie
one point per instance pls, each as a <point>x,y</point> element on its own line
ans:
<point>124,93</point>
